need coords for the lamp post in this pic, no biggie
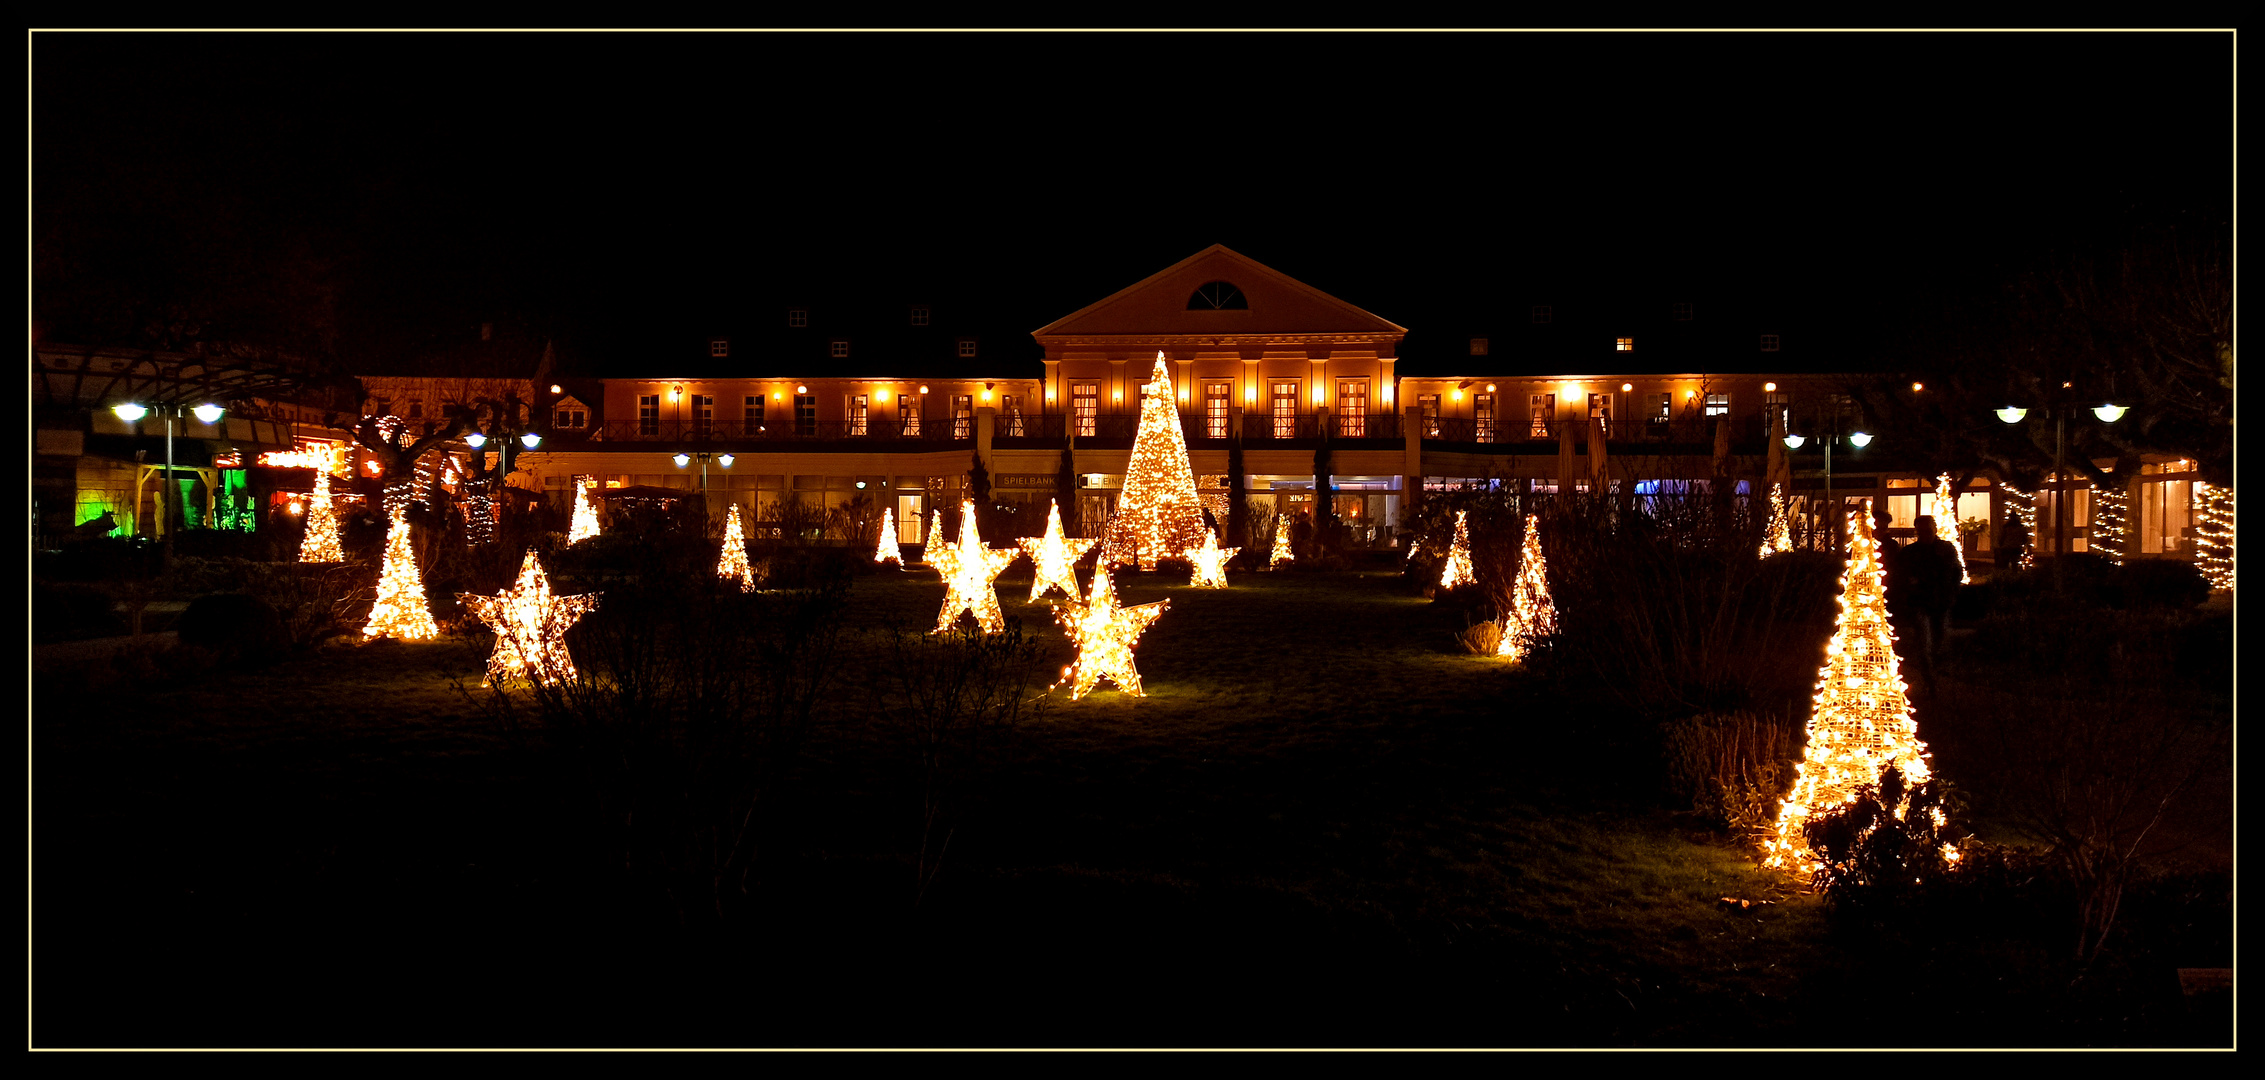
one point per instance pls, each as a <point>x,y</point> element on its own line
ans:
<point>1858,439</point>
<point>2107,412</point>
<point>132,413</point>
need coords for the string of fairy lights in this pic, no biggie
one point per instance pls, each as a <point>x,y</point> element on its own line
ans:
<point>886,550</point>
<point>1458,572</point>
<point>584,524</point>
<point>1158,514</point>
<point>2110,517</point>
<point>731,563</point>
<point>2214,533</point>
<point>1532,616</point>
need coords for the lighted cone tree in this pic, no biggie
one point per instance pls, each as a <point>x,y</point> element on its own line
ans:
<point>1860,720</point>
<point>1281,554</point>
<point>886,551</point>
<point>1054,557</point>
<point>530,627</point>
<point>1158,514</point>
<point>733,562</point>
<point>1946,526</point>
<point>1779,537</point>
<point>1532,616</point>
<point>321,542</point>
<point>1104,633</point>
<point>1458,568</point>
<point>1210,562</point>
<point>936,552</point>
<point>401,610</point>
<point>585,523</point>
<point>968,585</point>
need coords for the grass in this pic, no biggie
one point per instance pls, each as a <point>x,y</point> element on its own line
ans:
<point>1324,825</point>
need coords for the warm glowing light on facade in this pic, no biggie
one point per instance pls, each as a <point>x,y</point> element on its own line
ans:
<point>401,610</point>
<point>530,627</point>
<point>1768,386</point>
<point>732,563</point>
<point>969,587</point>
<point>1104,634</point>
<point>320,456</point>
<point>1158,514</point>
<point>1210,562</point>
<point>1860,719</point>
<point>1458,572</point>
<point>1054,557</point>
<point>1532,616</point>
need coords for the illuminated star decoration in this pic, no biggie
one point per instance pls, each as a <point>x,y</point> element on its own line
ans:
<point>1532,615</point>
<point>1946,526</point>
<point>530,627</point>
<point>968,587</point>
<point>1158,513</point>
<point>733,562</point>
<point>321,542</point>
<point>1054,557</point>
<point>1458,569</point>
<point>1281,553</point>
<point>1860,720</point>
<point>886,551</point>
<point>1210,562</point>
<point>400,610</point>
<point>936,552</point>
<point>1104,634</point>
<point>585,516</point>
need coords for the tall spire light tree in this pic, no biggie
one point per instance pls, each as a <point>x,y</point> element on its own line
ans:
<point>1532,616</point>
<point>887,551</point>
<point>1054,557</point>
<point>321,545</point>
<point>1458,571</point>
<point>401,610</point>
<point>1281,555</point>
<point>1158,515</point>
<point>732,563</point>
<point>1860,720</point>
<point>585,523</point>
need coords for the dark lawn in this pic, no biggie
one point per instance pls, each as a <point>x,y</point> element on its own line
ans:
<point>1324,825</point>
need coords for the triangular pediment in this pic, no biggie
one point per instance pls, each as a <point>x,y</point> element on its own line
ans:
<point>1275,304</point>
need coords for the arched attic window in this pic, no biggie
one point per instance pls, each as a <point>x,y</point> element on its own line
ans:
<point>1218,296</point>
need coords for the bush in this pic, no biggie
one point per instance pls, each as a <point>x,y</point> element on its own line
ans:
<point>2160,583</point>
<point>234,627</point>
<point>1877,860</point>
<point>1481,638</point>
<point>1731,768</point>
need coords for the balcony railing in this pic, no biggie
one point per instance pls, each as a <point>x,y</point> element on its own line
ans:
<point>1677,429</point>
<point>875,430</point>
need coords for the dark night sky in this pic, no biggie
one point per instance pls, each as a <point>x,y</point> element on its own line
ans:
<point>619,188</point>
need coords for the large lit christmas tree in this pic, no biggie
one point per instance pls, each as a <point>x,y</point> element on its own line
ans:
<point>585,523</point>
<point>887,551</point>
<point>1860,719</point>
<point>1158,514</point>
<point>1281,553</point>
<point>1054,557</point>
<point>321,542</point>
<point>1532,616</point>
<point>732,563</point>
<point>401,610</point>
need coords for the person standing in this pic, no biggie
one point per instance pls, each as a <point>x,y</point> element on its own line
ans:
<point>1931,573</point>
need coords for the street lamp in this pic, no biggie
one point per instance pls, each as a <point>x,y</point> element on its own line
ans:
<point>132,413</point>
<point>1831,422</point>
<point>683,459</point>
<point>2107,412</point>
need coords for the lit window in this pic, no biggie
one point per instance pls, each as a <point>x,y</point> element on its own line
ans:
<point>752,415</point>
<point>1541,313</point>
<point>963,416</point>
<point>908,414</point>
<point>920,315</point>
<point>649,414</point>
<point>1769,342</point>
<point>1428,404</point>
<point>967,346</point>
<point>1626,344</point>
<point>841,348</point>
<point>1543,408</point>
<point>1718,404</point>
<point>1285,410</point>
<point>1482,416</point>
<point>1352,408</point>
<point>1215,399</point>
<point>1085,404</point>
<point>797,316</point>
<point>1478,346</point>
<point>1662,407</point>
<point>857,414</point>
<point>719,348</point>
<point>1600,406</point>
<point>806,414</point>
<point>1682,311</point>
<point>1010,416</point>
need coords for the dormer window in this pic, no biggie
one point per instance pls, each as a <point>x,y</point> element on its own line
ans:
<point>1681,310</point>
<point>967,347</point>
<point>1218,296</point>
<point>1478,346</point>
<point>1626,344</point>
<point>1769,342</point>
<point>920,315</point>
<point>840,348</point>
<point>798,316</point>
<point>1542,314</point>
<point>719,348</point>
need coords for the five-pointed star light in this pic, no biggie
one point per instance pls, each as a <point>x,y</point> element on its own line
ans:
<point>1104,634</point>
<point>1210,562</point>
<point>530,626</point>
<point>1055,557</point>
<point>968,583</point>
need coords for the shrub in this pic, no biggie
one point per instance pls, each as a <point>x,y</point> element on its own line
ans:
<point>1876,859</point>
<point>2153,583</point>
<point>1481,638</point>
<point>234,626</point>
<point>1731,768</point>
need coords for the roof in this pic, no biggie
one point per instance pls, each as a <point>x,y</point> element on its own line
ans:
<point>1277,304</point>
